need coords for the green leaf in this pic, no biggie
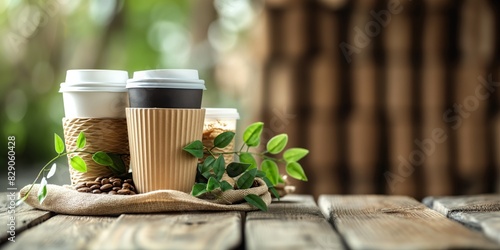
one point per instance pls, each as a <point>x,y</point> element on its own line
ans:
<point>224,185</point>
<point>270,187</point>
<point>207,164</point>
<point>274,192</point>
<point>223,139</point>
<point>102,158</point>
<point>52,171</point>
<point>295,170</point>
<point>271,170</point>
<point>118,167</point>
<point>212,184</point>
<point>58,144</point>
<point>42,190</point>
<point>260,174</point>
<point>195,148</point>
<point>295,154</point>
<point>256,201</point>
<point>280,180</point>
<point>199,189</point>
<point>219,167</point>
<point>246,180</point>
<point>78,164</point>
<point>248,158</point>
<point>81,141</point>
<point>252,134</point>
<point>235,168</point>
<point>277,144</point>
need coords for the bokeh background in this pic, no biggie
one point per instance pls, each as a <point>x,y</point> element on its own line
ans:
<point>396,97</point>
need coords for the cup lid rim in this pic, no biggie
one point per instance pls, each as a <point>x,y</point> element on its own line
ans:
<point>221,113</point>
<point>166,85</point>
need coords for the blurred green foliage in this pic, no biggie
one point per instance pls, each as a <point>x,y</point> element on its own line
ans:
<point>42,39</point>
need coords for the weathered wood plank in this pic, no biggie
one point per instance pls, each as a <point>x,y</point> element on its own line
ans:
<point>25,217</point>
<point>173,231</point>
<point>295,222</point>
<point>62,232</point>
<point>472,203</point>
<point>396,222</point>
<point>480,212</point>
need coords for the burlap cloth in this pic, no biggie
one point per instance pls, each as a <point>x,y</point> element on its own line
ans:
<point>65,200</point>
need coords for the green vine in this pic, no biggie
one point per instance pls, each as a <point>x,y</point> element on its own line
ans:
<point>211,171</point>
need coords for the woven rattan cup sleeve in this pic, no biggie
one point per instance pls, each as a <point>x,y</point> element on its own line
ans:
<point>103,134</point>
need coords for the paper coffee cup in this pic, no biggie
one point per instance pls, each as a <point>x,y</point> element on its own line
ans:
<point>166,88</point>
<point>218,121</point>
<point>156,138</point>
<point>95,93</point>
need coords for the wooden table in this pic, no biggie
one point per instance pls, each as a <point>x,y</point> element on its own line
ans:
<point>295,222</point>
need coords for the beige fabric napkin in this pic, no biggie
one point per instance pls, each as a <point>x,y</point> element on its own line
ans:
<point>65,200</point>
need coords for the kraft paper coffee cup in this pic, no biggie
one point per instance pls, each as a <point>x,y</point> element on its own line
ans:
<point>166,88</point>
<point>89,93</point>
<point>157,137</point>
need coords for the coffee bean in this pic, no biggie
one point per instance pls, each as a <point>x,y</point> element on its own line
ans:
<point>98,179</point>
<point>124,191</point>
<point>126,185</point>
<point>112,192</point>
<point>129,181</point>
<point>132,192</point>
<point>116,188</point>
<point>83,189</point>
<point>117,183</point>
<point>96,191</point>
<point>106,187</point>
<point>105,181</point>
<point>95,187</point>
<point>92,183</point>
<point>81,185</point>
<point>132,188</point>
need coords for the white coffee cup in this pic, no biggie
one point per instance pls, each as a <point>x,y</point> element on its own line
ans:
<point>91,93</point>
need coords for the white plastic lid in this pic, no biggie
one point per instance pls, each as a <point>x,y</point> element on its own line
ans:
<point>221,113</point>
<point>167,78</point>
<point>76,76</point>
<point>94,80</point>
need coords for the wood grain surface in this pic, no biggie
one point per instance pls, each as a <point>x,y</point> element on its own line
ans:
<point>25,217</point>
<point>173,231</point>
<point>62,232</point>
<point>295,222</point>
<point>480,212</point>
<point>396,222</point>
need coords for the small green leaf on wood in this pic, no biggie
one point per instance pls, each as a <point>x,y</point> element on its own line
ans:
<point>223,139</point>
<point>256,201</point>
<point>102,158</point>
<point>199,189</point>
<point>212,184</point>
<point>295,154</point>
<point>277,144</point>
<point>246,180</point>
<point>295,170</point>
<point>248,158</point>
<point>58,144</point>
<point>78,164</point>
<point>195,148</point>
<point>224,185</point>
<point>235,168</point>
<point>219,167</point>
<point>81,140</point>
<point>42,190</point>
<point>52,171</point>
<point>252,134</point>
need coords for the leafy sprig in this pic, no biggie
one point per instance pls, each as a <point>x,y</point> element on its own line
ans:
<point>110,160</point>
<point>211,171</point>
